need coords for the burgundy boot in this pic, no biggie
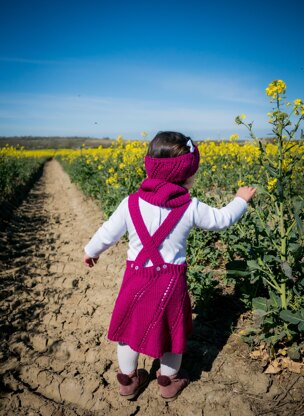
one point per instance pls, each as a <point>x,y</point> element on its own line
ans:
<point>131,384</point>
<point>170,387</point>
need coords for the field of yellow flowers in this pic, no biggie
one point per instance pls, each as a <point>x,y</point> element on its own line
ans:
<point>112,173</point>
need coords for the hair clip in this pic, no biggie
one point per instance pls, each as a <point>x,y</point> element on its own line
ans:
<point>190,144</point>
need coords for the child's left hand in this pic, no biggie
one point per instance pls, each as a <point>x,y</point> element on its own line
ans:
<point>89,261</point>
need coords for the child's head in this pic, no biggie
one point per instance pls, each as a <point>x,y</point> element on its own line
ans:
<point>172,157</point>
<point>168,144</point>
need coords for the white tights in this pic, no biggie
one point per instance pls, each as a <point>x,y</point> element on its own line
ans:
<point>127,359</point>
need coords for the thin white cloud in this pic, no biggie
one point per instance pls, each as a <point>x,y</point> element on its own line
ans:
<point>216,87</point>
<point>104,116</point>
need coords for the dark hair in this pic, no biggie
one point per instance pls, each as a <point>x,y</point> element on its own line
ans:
<point>168,144</point>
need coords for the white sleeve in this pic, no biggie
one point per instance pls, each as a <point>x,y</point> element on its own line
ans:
<point>110,231</point>
<point>214,219</point>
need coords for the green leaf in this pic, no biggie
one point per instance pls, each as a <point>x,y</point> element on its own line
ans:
<point>260,189</point>
<point>241,247</point>
<point>294,247</point>
<point>269,257</point>
<point>275,300</point>
<point>300,226</point>
<point>253,265</point>
<point>298,204</point>
<point>271,170</point>
<point>294,352</point>
<point>287,270</point>
<point>298,208</point>
<point>237,273</point>
<point>293,318</point>
<point>268,320</point>
<point>301,326</point>
<point>259,313</point>
<point>259,304</point>
<point>281,335</point>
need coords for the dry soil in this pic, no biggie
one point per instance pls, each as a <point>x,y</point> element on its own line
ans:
<point>55,356</point>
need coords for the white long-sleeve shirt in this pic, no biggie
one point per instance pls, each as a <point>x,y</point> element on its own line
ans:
<point>173,248</point>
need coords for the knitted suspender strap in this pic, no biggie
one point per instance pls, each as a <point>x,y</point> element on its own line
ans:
<point>169,223</point>
<point>164,229</point>
<point>160,234</point>
<point>141,229</point>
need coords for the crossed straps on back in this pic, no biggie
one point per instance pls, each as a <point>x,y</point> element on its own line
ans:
<point>151,243</point>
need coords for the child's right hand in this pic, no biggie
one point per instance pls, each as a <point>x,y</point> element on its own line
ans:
<point>246,192</point>
<point>89,261</point>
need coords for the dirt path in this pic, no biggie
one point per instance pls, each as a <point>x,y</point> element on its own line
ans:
<point>55,358</point>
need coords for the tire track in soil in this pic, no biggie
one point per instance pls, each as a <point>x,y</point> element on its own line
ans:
<point>55,358</point>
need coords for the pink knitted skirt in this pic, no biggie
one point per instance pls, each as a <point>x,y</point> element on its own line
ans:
<point>152,313</point>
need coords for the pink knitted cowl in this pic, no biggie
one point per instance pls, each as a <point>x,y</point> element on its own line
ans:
<point>162,187</point>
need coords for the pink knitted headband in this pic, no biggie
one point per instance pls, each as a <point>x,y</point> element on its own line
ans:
<point>173,169</point>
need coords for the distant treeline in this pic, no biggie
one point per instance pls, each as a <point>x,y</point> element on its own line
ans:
<point>56,142</point>
<point>53,142</point>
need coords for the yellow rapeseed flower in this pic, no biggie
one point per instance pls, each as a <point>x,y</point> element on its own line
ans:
<point>233,137</point>
<point>271,184</point>
<point>276,87</point>
<point>297,102</point>
<point>113,180</point>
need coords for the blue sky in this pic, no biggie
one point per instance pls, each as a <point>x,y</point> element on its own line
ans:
<point>104,68</point>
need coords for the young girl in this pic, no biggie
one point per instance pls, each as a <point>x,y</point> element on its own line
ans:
<point>152,313</point>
